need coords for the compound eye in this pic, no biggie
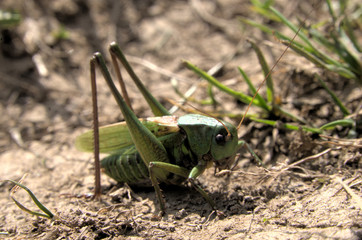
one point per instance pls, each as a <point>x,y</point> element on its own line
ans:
<point>220,139</point>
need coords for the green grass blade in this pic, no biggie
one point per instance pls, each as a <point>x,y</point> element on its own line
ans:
<point>266,69</point>
<point>308,48</point>
<point>272,31</point>
<point>340,46</point>
<point>334,97</point>
<point>341,40</point>
<point>347,26</point>
<point>293,27</point>
<point>238,95</point>
<point>343,123</point>
<point>306,54</point>
<point>210,92</point>
<point>286,125</point>
<point>321,39</point>
<point>315,51</point>
<point>338,68</point>
<point>350,54</point>
<point>253,90</point>
<point>47,213</point>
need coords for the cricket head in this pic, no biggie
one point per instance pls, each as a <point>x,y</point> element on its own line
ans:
<point>208,136</point>
<point>224,145</point>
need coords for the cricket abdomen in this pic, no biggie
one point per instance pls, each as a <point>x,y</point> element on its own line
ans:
<point>128,168</point>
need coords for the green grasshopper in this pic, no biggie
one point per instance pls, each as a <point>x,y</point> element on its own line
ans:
<point>160,149</point>
<point>164,148</point>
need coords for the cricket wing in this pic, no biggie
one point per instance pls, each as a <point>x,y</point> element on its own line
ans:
<point>114,137</point>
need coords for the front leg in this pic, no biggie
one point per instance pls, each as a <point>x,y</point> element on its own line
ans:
<point>183,172</point>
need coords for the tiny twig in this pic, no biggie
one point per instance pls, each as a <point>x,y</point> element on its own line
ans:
<point>226,171</point>
<point>306,159</point>
<point>342,142</point>
<point>293,165</point>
